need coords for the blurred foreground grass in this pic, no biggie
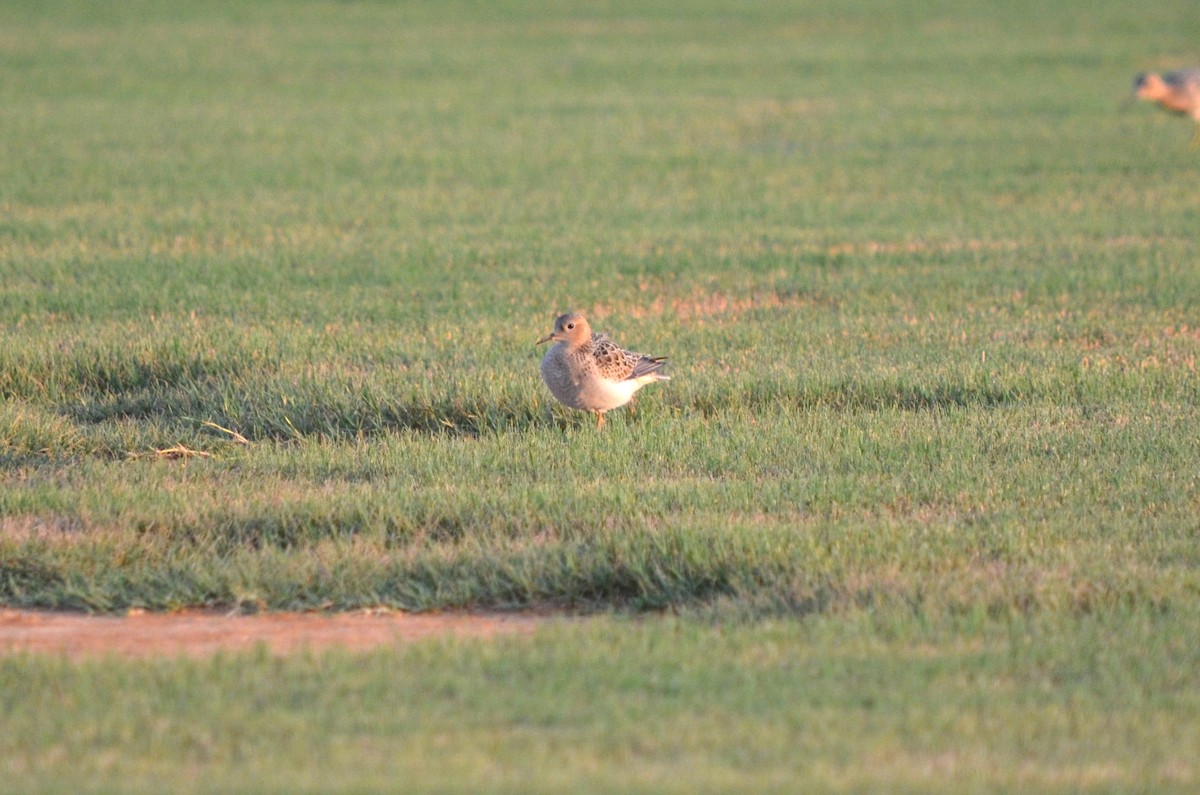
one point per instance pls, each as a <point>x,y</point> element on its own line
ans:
<point>1106,703</point>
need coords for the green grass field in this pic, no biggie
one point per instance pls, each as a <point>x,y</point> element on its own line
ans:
<point>921,500</point>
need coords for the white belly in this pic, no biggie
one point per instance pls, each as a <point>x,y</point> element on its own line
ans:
<point>603,395</point>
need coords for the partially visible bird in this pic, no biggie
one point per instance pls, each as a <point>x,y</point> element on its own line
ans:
<point>1177,91</point>
<point>590,372</point>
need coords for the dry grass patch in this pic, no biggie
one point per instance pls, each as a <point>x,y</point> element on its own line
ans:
<point>702,306</point>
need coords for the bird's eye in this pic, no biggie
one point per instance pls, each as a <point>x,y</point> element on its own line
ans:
<point>570,325</point>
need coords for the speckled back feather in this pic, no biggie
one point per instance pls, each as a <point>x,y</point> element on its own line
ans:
<point>1182,77</point>
<point>617,364</point>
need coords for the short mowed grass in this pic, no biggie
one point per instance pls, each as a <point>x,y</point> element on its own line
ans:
<point>921,495</point>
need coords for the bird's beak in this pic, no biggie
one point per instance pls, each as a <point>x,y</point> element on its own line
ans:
<point>547,338</point>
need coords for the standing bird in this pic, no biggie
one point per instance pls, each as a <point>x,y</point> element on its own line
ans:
<point>590,372</point>
<point>1177,91</point>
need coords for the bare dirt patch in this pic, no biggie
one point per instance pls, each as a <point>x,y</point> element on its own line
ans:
<point>196,633</point>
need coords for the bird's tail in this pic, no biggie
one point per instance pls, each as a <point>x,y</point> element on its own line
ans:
<point>649,366</point>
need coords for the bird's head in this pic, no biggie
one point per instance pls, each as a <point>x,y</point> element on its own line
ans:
<point>1149,85</point>
<point>571,328</point>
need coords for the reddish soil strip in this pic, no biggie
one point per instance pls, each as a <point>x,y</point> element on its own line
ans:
<point>196,633</point>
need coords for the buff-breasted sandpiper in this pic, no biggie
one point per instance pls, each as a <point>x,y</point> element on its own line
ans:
<point>1177,91</point>
<point>590,372</point>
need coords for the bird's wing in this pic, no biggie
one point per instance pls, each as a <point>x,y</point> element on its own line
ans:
<point>617,364</point>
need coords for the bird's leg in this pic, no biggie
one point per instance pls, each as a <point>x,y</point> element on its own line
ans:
<point>1195,144</point>
<point>599,420</point>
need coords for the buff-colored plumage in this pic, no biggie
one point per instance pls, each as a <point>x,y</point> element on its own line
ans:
<point>1177,91</point>
<point>590,372</point>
